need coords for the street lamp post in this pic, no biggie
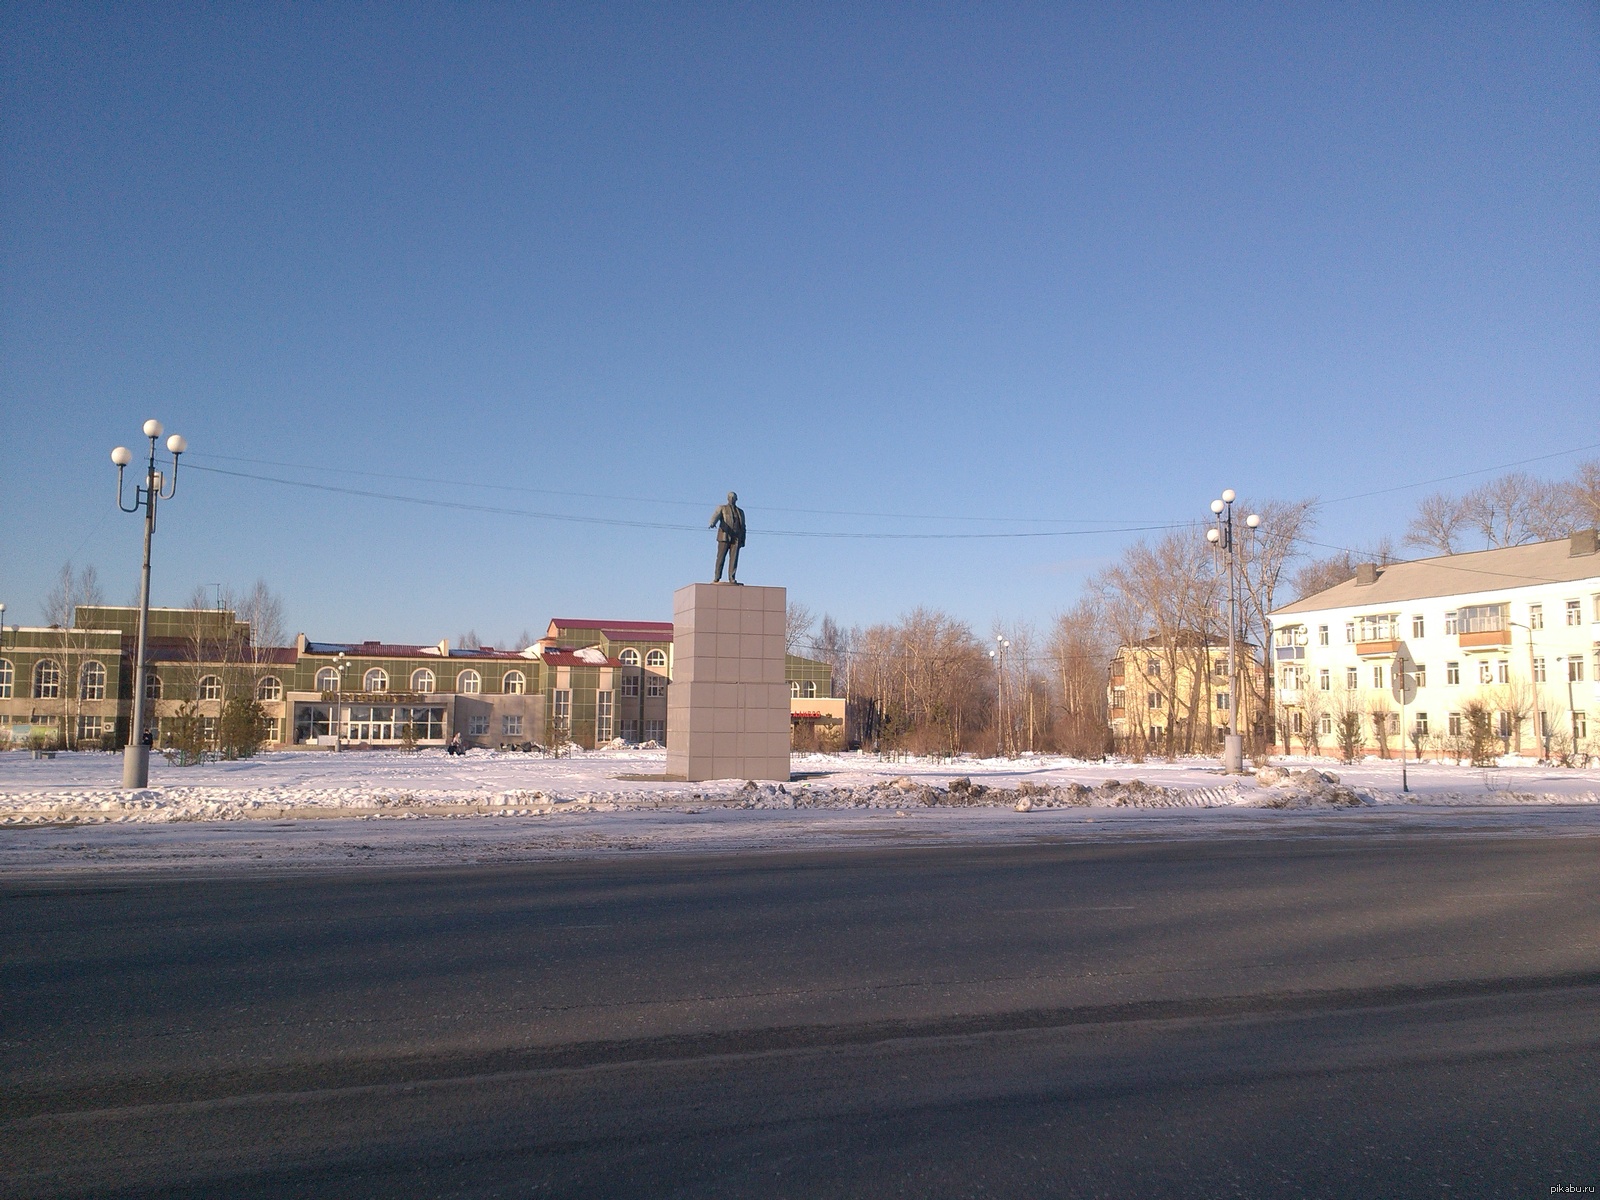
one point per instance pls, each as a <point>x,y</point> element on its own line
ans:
<point>1221,536</point>
<point>1001,645</point>
<point>136,756</point>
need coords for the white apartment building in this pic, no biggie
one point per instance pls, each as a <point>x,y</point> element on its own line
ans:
<point>1517,629</point>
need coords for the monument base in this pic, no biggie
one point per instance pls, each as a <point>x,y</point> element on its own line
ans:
<point>728,706</point>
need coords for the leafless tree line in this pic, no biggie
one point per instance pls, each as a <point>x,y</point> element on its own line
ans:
<point>1508,511</point>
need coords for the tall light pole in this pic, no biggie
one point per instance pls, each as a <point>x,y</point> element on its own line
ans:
<point>1221,536</point>
<point>1001,645</point>
<point>136,756</point>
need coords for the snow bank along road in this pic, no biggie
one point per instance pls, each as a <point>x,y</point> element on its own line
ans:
<point>302,809</point>
<point>1416,1014</point>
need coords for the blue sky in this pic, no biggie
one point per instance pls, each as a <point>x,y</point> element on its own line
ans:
<point>970,269</point>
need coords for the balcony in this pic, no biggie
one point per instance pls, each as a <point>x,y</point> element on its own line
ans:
<point>1386,648</point>
<point>1484,640</point>
<point>1288,695</point>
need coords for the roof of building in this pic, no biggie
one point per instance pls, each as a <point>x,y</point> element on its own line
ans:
<point>1456,575</point>
<point>616,631</point>
<point>579,658</point>
<point>391,650</point>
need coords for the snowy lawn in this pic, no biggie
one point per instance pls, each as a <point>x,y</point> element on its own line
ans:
<point>307,809</point>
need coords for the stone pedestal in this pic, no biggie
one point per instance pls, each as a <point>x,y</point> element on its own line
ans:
<point>728,706</point>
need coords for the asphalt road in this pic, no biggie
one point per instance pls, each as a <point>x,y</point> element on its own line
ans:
<point>1393,1016</point>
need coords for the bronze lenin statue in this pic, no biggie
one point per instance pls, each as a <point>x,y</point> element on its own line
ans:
<point>728,521</point>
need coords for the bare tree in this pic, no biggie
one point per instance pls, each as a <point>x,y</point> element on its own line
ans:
<point>1278,541</point>
<point>1517,508</point>
<point>798,624</point>
<point>1584,489</point>
<point>71,590</point>
<point>1080,648</point>
<point>1440,524</point>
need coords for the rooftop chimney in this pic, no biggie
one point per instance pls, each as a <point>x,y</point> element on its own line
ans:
<point>1583,542</point>
<point>1366,574</point>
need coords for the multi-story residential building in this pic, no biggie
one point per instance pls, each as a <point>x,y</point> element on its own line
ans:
<point>585,681</point>
<point>1515,629</point>
<point>1174,699</point>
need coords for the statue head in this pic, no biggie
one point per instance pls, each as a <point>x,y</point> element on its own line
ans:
<point>733,497</point>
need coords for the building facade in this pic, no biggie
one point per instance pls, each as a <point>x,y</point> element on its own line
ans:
<point>1174,698</point>
<point>1514,630</point>
<point>586,682</point>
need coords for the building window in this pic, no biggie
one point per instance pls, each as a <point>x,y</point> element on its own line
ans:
<point>1325,679</point>
<point>375,680</point>
<point>1419,672</point>
<point>1574,613</point>
<point>91,727</point>
<point>270,688</point>
<point>46,680</point>
<point>1378,627</point>
<point>1349,632</point>
<point>1420,728</point>
<point>655,730</point>
<point>630,729</point>
<point>1452,673</point>
<point>1418,625</point>
<point>808,689</point>
<point>630,686</point>
<point>1377,675</point>
<point>1296,721</point>
<point>92,682</point>
<point>602,716</point>
<point>1535,616</point>
<point>1325,724</point>
<point>561,706</point>
<point>328,680</point>
<point>1222,701</point>
<point>794,689</point>
<point>1482,618</point>
<point>1538,669</point>
<point>1502,671</point>
<point>210,687</point>
<point>478,725</point>
<point>272,729</point>
<point>1575,669</point>
<point>511,725</point>
<point>469,683</point>
<point>1580,724</point>
<point>8,678</point>
<point>1322,635</point>
<point>1153,668</point>
<point>1453,724</point>
<point>655,685</point>
<point>1152,699</point>
<point>629,657</point>
<point>1502,724</point>
<point>1451,623</point>
<point>656,658</point>
<point>514,683</point>
<point>1352,679</point>
<point>152,686</point>
<point>1485,672</point>
<point>1544,723</point>
<point>1119,698</point>
<point>422,680</point>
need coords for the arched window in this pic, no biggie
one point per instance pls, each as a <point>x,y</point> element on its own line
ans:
<point>469,683</point>
<point>809,689</point>
<point>422,680</point>
<point>152,686</point>
<point>92,682</point>
<point>514,684</point>
<point>8,678</point>
<point>211,687</point>
<point>375,680</point>
<point>656,658</point>
<point>270,688</point>
<point>630,657</point>
<point>794,689</point>
<point>328,680</point>
<point>46,680</point>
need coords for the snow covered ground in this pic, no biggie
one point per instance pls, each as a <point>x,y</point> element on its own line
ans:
<point>304,809</point>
